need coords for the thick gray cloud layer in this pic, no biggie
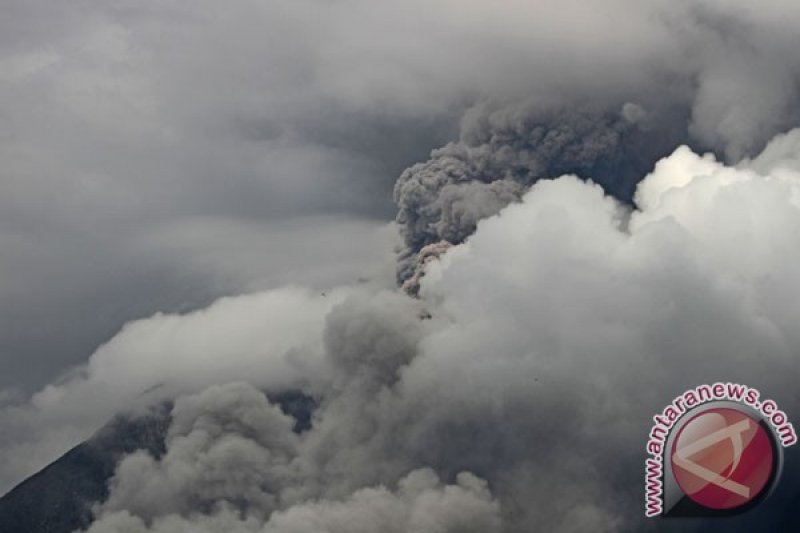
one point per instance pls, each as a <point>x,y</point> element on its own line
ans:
<point>124,121</point>
<point>157,156</point>
<point>726,82</point>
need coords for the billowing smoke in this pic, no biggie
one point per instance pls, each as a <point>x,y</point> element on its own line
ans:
<point>420,503</point>
<point>727,83</point>
<point>514,394</point>
<point>234,457</point>
<point>502,151</point>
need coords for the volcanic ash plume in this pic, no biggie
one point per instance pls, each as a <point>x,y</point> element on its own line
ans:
<point>502,151</point>
<point>515,393</point>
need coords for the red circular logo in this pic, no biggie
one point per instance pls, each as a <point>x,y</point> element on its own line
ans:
<point>722,458</point>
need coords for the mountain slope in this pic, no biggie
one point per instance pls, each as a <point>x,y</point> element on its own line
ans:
<point>58,499</point>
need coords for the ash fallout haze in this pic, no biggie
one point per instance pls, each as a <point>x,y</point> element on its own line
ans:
<point>356,266</point>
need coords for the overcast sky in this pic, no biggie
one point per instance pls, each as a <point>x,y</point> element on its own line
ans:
<point>156,155</point>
